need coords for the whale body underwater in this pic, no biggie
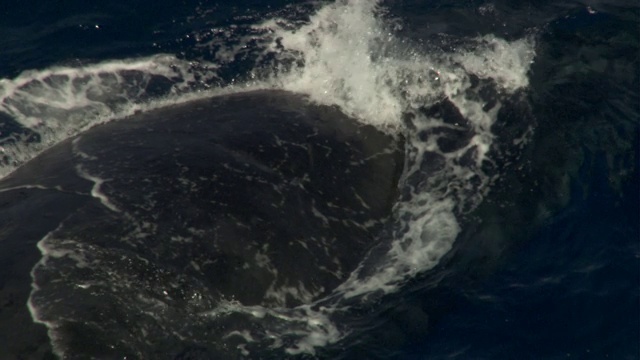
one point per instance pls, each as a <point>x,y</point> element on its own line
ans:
<point>260,197</point>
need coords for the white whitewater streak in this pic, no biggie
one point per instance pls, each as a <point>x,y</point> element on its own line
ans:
<point>95,190</point>
<point>60,102</point>
<point>34,309</point>
<point>32,93</point>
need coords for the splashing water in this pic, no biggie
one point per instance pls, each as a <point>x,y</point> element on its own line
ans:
<point>347,56</point>
<point>351,59</point>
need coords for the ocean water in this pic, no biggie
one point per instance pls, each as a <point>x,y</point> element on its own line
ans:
<point>513,225</point>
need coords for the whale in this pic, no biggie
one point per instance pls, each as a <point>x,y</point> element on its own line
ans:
<point>261,198</point>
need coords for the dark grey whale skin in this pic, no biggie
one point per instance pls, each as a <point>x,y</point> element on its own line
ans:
<point>262,167</point>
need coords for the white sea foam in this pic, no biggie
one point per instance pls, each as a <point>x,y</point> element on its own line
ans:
<point>59,102</point>
<point>313,328</point>
<point>95,190</point>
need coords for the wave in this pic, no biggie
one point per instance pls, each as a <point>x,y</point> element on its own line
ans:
<point>443,101</point>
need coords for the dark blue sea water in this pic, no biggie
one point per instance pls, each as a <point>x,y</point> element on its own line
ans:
<point>532,165</point>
